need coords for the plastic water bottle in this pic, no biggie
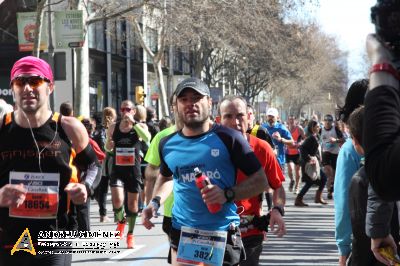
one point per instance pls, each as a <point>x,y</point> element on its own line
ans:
<point>202,181</point>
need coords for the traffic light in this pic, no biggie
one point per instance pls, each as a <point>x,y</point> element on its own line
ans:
<point>139,95</point>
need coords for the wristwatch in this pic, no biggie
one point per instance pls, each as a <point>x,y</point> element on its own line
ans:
<point>229,194</point>
<point>280,209</point>
<point>156,201</point>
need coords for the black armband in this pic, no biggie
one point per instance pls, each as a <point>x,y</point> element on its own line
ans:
<point>85,158</point>
<point>87,163</point>
<point>261,222</point>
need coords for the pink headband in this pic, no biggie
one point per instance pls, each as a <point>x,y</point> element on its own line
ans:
<point>30,65</point>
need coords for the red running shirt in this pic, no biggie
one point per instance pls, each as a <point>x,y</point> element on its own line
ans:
<point>266,156</point>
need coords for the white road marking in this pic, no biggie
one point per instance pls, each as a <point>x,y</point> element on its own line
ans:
<point>124,254</point>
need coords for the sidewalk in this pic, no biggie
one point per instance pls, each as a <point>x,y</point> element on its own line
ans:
<point>310,238</point>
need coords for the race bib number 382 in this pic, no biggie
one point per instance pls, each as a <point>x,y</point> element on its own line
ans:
<point>41,201</point>
<point>201,247</point>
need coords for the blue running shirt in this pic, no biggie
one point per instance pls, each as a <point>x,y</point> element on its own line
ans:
<point>217,153</point>
<point>285,133</point>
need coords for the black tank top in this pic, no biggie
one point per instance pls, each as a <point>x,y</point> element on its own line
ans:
<point>126,153</point>
<point>18,153</point>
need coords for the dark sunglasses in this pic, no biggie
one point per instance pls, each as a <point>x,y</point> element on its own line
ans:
<point>328,120</point>
<point>125,109</point>
<point>33,81</point>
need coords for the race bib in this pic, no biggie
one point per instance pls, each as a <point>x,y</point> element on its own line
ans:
<point>125,156</point>
<point>201,247</point>
<point>41,201</point>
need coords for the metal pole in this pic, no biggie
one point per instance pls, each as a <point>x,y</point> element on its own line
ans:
<point>109,73</point>
<point>50,49</point>
<point>128,61</point>
<point>73,75</point>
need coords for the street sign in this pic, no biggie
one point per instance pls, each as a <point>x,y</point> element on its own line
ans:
<point>68,28</point>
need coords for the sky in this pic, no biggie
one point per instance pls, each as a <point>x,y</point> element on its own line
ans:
<point>349,21</point>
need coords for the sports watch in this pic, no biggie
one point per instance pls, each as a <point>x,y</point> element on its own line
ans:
<point>229,194</point>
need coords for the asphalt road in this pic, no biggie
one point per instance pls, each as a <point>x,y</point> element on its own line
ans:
<point>309,240</point>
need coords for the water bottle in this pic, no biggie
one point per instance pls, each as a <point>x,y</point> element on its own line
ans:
<point>202,181</point>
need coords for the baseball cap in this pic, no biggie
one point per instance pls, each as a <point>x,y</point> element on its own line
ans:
<point>328,118</point>
<point>195,84</point>
<point>30,65</point>
<point>272,112</point>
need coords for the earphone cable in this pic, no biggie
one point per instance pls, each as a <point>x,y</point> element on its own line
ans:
<point>36,144</point>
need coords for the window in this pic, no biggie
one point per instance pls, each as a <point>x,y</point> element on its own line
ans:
<point>152,39</point>
<point>178,60</point>
<point>96,36</point>
<point>136,48</point>
<point>185,60</point>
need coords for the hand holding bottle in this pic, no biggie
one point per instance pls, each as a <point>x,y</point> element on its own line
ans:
<point>209,192</point>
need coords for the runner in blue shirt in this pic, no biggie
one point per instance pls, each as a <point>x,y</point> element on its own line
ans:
<point>218,152</point>
<point>280,134</point>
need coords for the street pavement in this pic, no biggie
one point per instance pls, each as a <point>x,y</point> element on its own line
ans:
<point>309,239</point>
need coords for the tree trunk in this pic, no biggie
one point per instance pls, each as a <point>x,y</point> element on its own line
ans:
<point>160,77</point>
<point>81,101</point>
<point>81,98</point>
<point>38,30</point>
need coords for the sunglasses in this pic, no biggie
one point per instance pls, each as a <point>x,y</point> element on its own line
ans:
<point>125,109</point>
<point>33,81</point>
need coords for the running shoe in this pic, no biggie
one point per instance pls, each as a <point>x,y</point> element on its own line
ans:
<point>130,240</point>
<point>121,228</point>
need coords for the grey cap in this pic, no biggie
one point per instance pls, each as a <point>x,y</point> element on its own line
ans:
<point>193,83</point>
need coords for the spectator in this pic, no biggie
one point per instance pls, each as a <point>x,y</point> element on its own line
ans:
<point>382,122</point>
<point>310,152</point>
<point>348,162</point>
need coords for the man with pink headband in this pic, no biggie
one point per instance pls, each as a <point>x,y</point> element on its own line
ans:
<point>37,178</point>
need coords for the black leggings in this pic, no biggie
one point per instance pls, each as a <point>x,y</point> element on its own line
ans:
<point>101,194</point>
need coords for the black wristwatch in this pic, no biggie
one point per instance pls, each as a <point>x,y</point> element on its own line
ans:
<point>229,194</point>
<point>280,209</point>
<point>157,201</point>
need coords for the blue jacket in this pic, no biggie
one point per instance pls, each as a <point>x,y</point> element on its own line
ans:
<point>348,163</point>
